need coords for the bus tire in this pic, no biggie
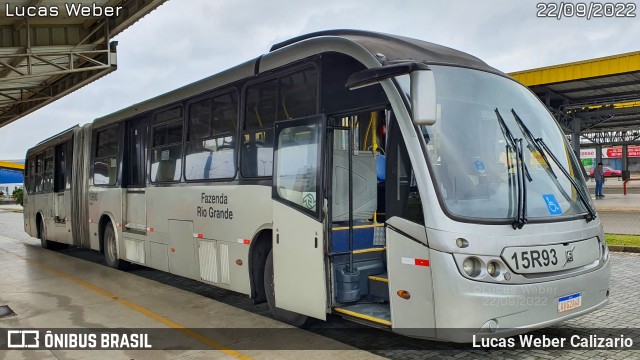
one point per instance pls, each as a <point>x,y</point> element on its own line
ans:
<point>46,244</point>
<point>285,316</point>
<point>111,247</point>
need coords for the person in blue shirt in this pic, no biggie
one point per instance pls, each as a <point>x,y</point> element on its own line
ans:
<point>598,175</point>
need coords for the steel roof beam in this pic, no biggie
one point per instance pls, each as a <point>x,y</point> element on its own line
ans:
<point>635,82</point>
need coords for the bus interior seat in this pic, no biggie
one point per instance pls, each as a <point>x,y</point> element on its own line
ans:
<point>364,186</point>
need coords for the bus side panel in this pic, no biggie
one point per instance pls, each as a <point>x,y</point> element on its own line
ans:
<point>44,205</point>
<point>104,201</point>
<point>60,230</point>
<point>225,220</point>
<point>409,268</point>
<point>29,215</point>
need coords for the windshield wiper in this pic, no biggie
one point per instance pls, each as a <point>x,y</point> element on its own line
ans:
<point>540,146</point>
<point>521,172</point>
<point>534,147</point>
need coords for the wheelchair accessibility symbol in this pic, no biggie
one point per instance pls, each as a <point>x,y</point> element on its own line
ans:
<point>552,204</point>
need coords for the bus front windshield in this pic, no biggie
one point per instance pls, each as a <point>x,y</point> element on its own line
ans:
<point>473,157</point>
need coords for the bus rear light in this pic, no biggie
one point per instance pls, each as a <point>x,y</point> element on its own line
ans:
<point>244,241</point>
<point>199,236</point>
<point>404,294</point>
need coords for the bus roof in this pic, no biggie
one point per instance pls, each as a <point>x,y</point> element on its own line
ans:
<point>395,48</point>
<point>385,47</point>
<point>53,140</point>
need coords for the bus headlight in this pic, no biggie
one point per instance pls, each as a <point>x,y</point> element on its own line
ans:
<point>471,266</point>
<point>493,268</point>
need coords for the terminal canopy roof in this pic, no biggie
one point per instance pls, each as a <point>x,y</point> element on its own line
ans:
<point>43,58</point>
<point>598,97</point>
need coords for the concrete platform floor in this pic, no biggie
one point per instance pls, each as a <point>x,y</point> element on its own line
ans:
<point>52,290</point>
<point>72,289</point>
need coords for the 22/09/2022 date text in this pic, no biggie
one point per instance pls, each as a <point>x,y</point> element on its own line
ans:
<point>584,10</point>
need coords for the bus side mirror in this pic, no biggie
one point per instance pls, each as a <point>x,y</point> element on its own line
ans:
<point>423,97</point>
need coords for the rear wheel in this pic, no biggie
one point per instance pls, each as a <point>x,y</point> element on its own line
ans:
<point>285,316</point>
<point>110,247</point>
<point>46,244</point>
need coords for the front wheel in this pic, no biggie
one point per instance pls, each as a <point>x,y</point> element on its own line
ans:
<point>285,316</point>
<point>111,248</point>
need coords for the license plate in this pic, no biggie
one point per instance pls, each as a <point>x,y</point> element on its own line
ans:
<point>549,258</point>
<point>569,302</point>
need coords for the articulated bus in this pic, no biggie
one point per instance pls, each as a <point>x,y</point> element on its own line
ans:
<point>388,180</point>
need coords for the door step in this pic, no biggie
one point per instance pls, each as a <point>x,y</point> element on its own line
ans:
<point>379,286</point>
<point>376,314</point>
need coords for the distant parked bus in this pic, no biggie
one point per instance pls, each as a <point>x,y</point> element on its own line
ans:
<point>388,180</point>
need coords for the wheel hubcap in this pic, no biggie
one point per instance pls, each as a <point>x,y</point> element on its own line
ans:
<point>111,248</point>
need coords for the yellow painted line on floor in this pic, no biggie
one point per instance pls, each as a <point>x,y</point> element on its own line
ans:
<point>137,308</point>
<point>363,316</point>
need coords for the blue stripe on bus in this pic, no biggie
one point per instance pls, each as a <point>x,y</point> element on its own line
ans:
<point>569,297</point>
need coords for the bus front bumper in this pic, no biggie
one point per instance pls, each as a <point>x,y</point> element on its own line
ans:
<point>464,308</point>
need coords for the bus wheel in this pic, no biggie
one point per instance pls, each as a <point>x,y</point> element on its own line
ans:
<point>110,247</point>
<point>46,244</point>
<point>285,316</point>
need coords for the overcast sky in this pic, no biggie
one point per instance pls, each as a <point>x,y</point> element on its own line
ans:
<point>186,40</point>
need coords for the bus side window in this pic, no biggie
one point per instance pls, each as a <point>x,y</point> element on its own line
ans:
<point>31,174</point>
<point>211,145</point>
<point>48,171</point>
<point>298,94</point>
<point>60,168</point>
<point>289,96</point>
<point>106,154</point>
<point>166,151</point>
<point>39,173</point>
<point>257,139</point>
<point>402,195</point>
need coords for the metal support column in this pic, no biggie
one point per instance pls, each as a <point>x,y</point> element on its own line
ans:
<point>625,157</point>
<point>575,135</point>
<point>598,155</point>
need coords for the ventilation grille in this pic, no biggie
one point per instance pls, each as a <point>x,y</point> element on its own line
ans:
<point>224,262</point>
<point>134,250</point>
<point>208,261</point>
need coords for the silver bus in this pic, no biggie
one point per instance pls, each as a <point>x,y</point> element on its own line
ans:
<point>388,180</point>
